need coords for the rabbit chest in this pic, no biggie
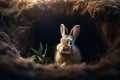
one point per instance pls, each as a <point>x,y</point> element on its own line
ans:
<point>73,57</point>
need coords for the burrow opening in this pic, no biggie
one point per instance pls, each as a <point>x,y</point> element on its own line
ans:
<point>89,41</point>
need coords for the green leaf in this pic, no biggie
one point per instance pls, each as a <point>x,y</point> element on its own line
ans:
<point>40,47</point>
<point>40,59</point>
<point>33,57</point>
<point>34,50</point>
<point>64,64</point>
<point>40,54</point>
<point>45,52</point>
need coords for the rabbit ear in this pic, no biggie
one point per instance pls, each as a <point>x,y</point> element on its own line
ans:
<point>75,31</point>
<point>63,30</point>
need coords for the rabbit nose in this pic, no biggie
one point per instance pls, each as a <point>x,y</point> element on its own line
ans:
<point>66,48</point>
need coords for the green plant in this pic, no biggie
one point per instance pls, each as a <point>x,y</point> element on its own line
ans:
<point>40,54</point>
<point>66,63</point>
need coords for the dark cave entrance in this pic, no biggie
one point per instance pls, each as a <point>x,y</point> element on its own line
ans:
<point>89,41</point>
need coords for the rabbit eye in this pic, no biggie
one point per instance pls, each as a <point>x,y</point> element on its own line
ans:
<point>70,42</point>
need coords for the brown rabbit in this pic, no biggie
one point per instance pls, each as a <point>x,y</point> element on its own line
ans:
<point>66,49</point>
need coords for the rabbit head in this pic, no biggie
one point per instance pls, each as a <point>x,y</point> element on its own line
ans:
<point>67,42</point>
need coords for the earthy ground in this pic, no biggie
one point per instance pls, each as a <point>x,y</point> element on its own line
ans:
<point>17,31</point>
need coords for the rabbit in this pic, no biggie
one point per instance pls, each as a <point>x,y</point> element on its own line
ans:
<point>66,50</point>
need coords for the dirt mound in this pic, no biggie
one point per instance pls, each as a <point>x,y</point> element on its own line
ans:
<point>105,14</point>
